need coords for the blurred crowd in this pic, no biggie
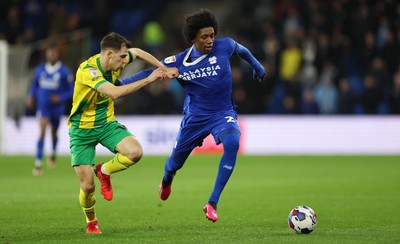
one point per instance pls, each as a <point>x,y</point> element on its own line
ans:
<point>332,57</point>
<point>322,56</point>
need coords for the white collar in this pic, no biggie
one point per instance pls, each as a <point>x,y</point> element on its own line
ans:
<point>52,68</point>
<point>195,61</point>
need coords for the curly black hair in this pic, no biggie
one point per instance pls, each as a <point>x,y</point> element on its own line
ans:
<point>196,21</point>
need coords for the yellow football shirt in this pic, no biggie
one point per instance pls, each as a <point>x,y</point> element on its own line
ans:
<point>90,108</point>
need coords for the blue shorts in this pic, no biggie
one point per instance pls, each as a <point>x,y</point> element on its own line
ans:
<point>52,112</point>
<point>194,129</point>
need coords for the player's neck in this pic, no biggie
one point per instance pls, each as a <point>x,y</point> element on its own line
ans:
<point>195,53</point>
<point>104,63</point>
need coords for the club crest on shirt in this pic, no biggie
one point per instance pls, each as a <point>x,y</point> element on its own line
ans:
<point>94,72</point>
<point>212,60</point>
<point>170,59</point>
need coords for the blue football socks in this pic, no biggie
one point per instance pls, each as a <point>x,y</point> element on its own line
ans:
<point>230,141</point>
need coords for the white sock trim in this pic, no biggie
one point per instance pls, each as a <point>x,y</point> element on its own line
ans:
<point>103,169</point>
<point>38,163</point>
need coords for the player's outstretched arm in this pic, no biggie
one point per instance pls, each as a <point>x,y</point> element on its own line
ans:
<point>258,69</point>
<point>136,77</point>
<point>150,59</point>
<point>115,92</point>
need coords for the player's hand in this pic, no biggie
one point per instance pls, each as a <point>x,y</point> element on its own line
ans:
<point>55,99</point>
<point>29,102</point>
<point>157,74</point>
<point>171,72</point>
<point>259,75</point>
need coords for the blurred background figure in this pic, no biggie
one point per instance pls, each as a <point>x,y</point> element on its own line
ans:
<point>395,94</point>
<point>371,96</point>
<point>51,89</point>
<point>346,98</point>
<point>326,95</point>
<point>308,103</point>
<point>153,36</point>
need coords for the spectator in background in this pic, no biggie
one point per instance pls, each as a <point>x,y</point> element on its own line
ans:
<point>243,102</point>
<point>326,95</point>
<point>309,73</point>
<point>153,36</point>
<point>371,96</point>
<point>290,65</point>
<point>395,94</point>
<point>323,50</point>
<point>346,99</point>
<point>368,50</point>
<point>380,73</point>
<point>391,51</point>
<point>308,103</point>
<point>51,88</point>
<point>290,104</point>
<point>34,13</point>
<point>289,71</point>
<point>271,49</point>
<point>14,27</point>
<point>57,18</point>
<point>100,21</point>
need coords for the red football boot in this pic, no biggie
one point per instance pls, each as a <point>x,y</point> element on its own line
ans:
<point>211,213</point>
<point>106,188</point>
<point>164,191</point>
<point>92,228</point>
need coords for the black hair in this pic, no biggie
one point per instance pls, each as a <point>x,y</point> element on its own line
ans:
<point>114,41</point>
<point>196,21</point>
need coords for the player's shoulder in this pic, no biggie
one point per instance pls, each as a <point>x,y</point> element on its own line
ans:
<point>227,44</point>
<point>174,59</point>
<point>92,61</point>
<point>170,59</point>
<point>40,67</point>
<point>87,69</point>
<point>225,41</point>
<point>88,65</point>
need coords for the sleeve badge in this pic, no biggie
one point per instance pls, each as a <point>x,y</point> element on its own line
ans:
<point>93,72</point>
<point>170,59</point>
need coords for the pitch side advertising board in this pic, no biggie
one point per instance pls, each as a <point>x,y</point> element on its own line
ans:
<point>261,135</point>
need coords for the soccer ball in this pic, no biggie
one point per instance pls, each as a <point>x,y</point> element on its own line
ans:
<point>302,219</point>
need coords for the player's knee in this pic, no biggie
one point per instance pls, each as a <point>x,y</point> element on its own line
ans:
<point>87,187</point>
<point>135,154</point>
<point>231,143</point>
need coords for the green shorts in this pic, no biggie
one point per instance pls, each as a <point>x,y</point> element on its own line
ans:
<point>82,142</point>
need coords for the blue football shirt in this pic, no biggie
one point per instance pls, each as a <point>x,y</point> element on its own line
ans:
<point>51,80</point>
<point>207,79</point>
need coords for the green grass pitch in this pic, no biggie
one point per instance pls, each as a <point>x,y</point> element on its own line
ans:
<point>356,199</point>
